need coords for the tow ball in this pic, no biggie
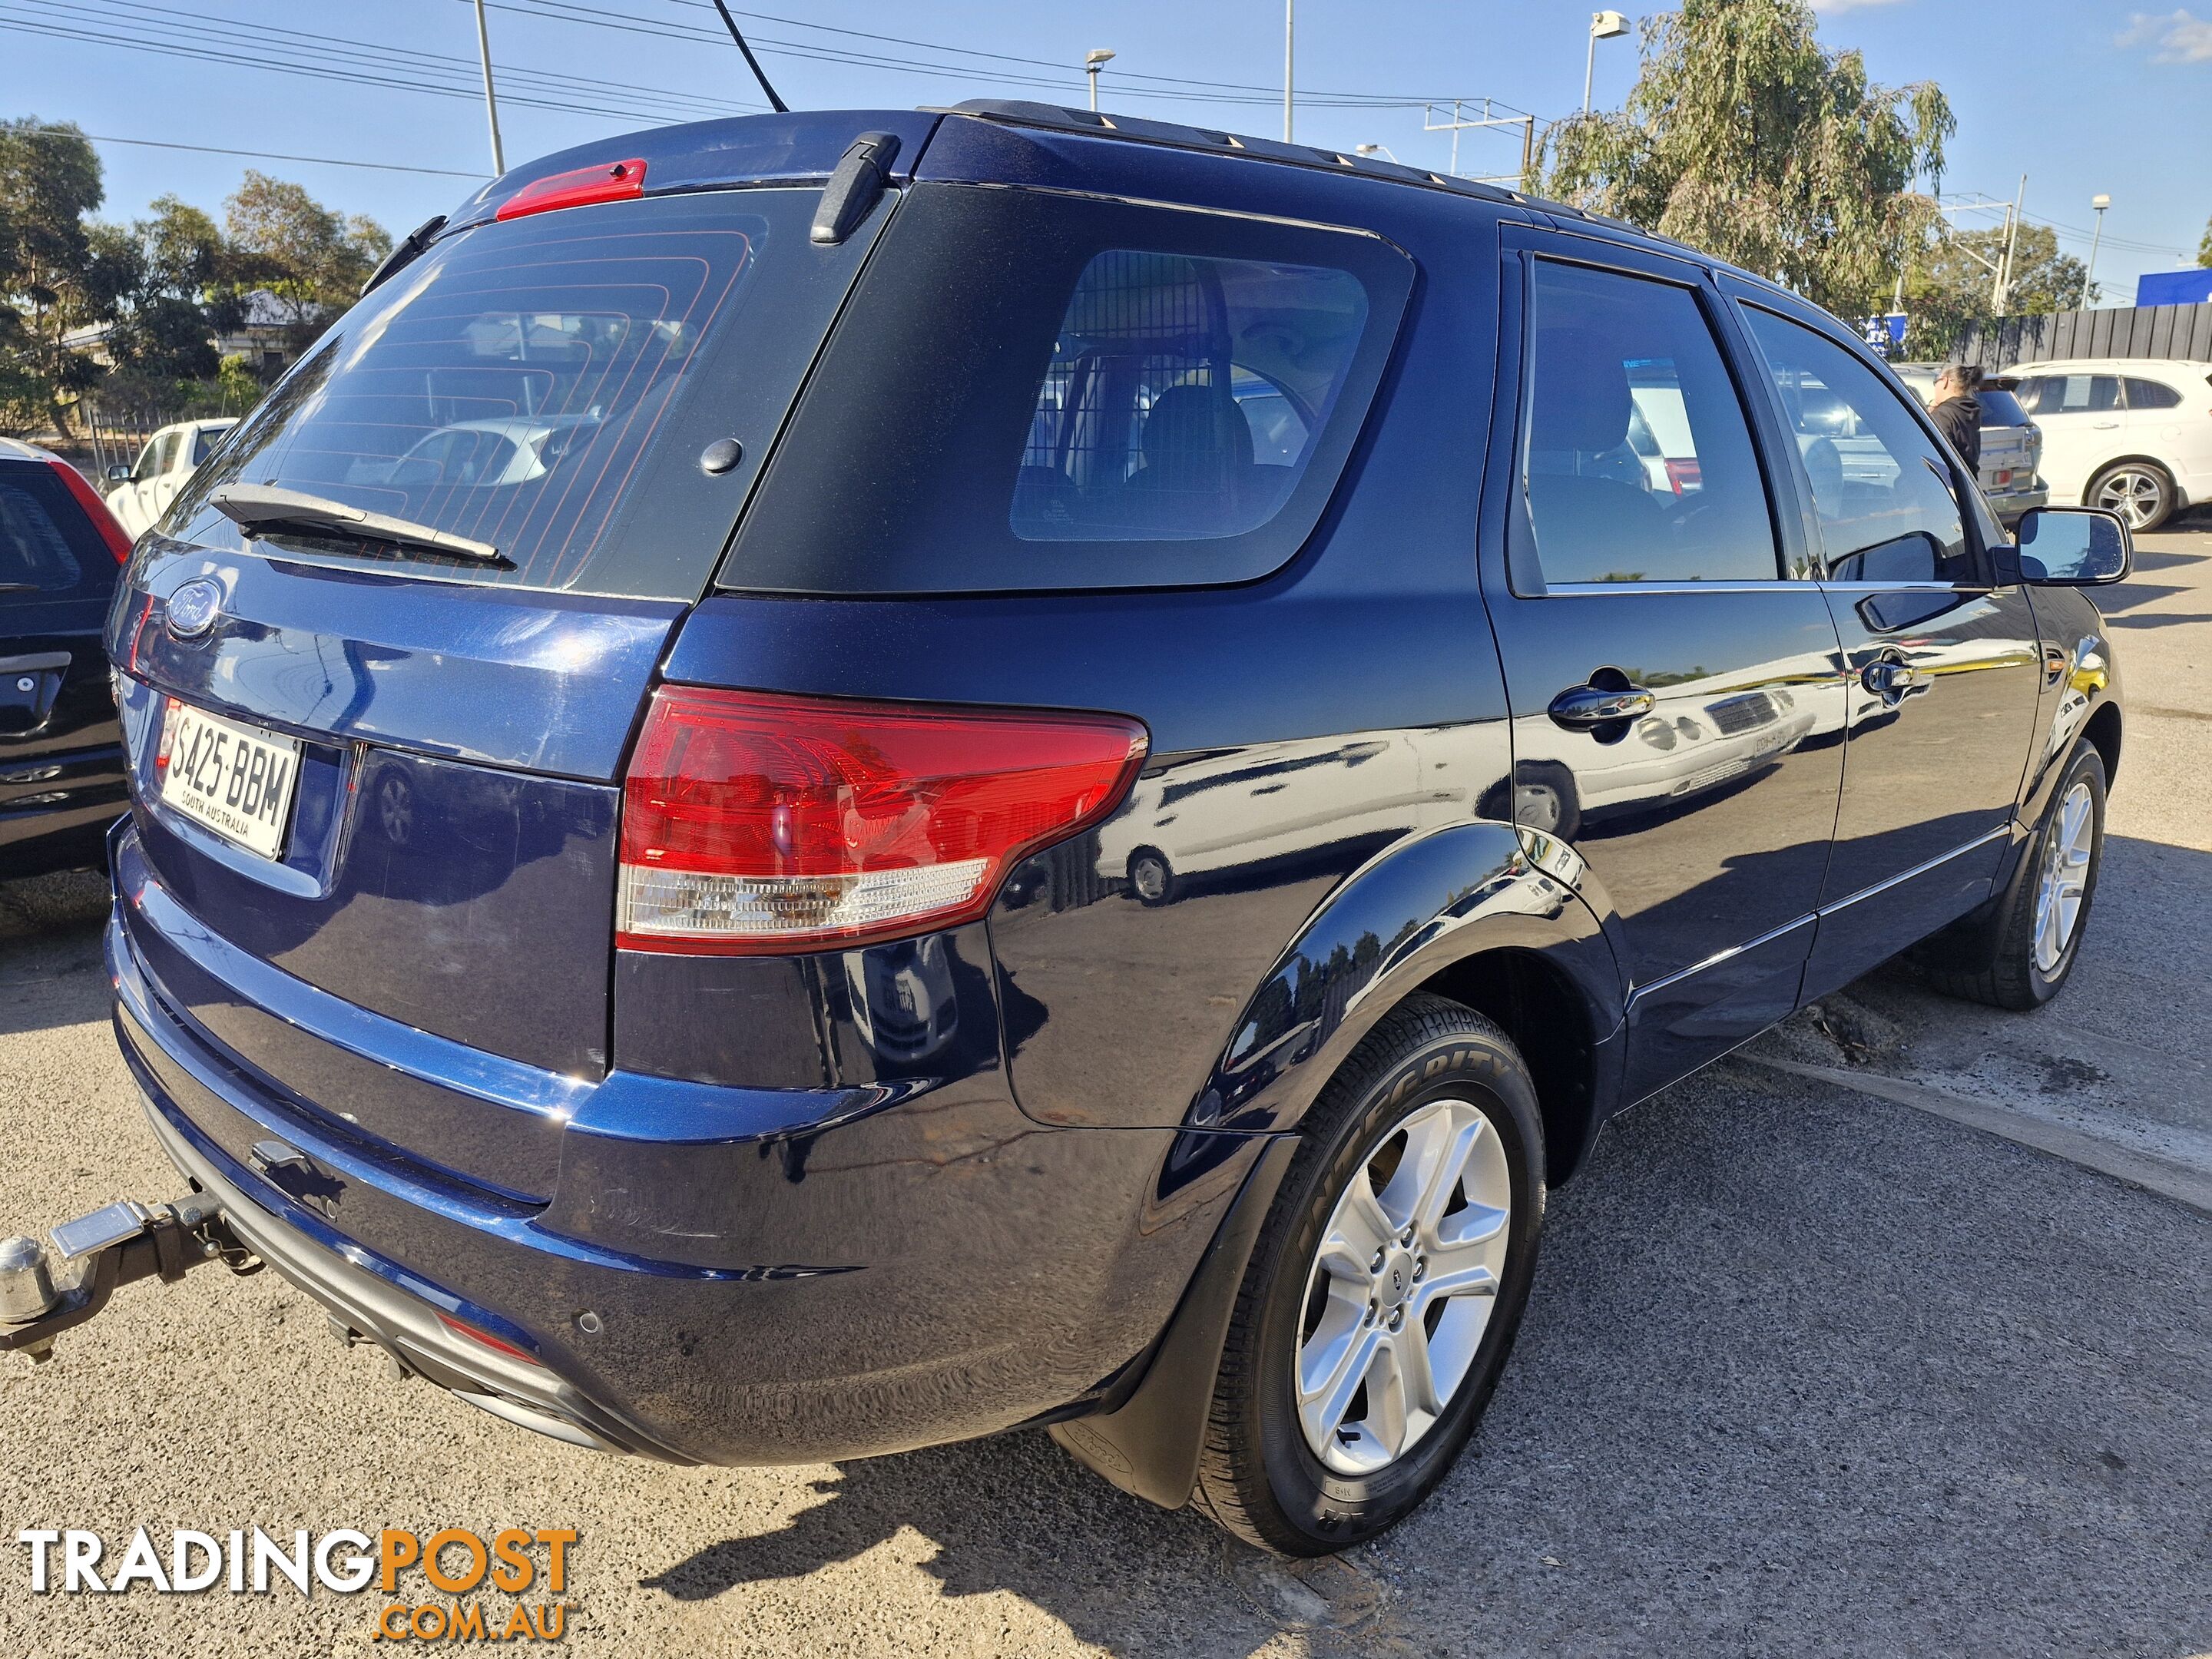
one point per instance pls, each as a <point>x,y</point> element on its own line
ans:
<point>45,1292</point>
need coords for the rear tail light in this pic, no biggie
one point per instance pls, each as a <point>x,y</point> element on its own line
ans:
<point>755,823</point>
<point>1684,473</point>
<point>117,538</point>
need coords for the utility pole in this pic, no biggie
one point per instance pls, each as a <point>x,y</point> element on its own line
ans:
<point>2089,279</point>
<point>491,103</point>
<point>1290,37</point>
<point>2002,291</point>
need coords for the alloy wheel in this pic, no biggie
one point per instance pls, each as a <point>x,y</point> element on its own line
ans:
<point>2063,881</point>
<point>2133,493</point>
<point>1401,1287</point>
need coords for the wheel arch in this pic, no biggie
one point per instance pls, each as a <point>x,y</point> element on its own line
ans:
<point>2104,731</point>
<point>2152,461</point>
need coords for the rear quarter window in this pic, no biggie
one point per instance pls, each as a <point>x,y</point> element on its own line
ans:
<point>1033,391</point>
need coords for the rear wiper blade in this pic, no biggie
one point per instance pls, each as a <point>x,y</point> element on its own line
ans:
<point>262,509</point>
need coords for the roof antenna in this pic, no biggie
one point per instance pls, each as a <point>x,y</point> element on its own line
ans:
<point>751,62</point>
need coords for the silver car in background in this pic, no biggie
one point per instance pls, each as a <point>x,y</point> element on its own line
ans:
<point>2011,473</point>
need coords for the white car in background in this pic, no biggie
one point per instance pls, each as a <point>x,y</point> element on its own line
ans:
<point>142,492</point>
<point>2133,434</point>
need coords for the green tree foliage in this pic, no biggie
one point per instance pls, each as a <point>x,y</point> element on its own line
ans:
<point>157,293</point>
<point>1746,139</point>
<point>1951,286</point>
<point>2204,247</point>
<point>314,261</point>
<point>50,282</point>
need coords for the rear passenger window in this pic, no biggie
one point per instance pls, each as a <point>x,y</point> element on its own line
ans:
<point>1182,396</point>
<point>1637,466</point>
<point>2149,394</point>
<point>1882,490</point>
<point>2076,394</point>
<point>33,554</point>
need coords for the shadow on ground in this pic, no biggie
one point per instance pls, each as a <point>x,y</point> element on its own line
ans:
<point>1802,1371</point>
<point>50,972</point>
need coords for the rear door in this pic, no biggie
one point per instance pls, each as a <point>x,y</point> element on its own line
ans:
<point>1675,713</point>
<point>437,864</point>
<point>1942,661</point>
<point>2080,415</point>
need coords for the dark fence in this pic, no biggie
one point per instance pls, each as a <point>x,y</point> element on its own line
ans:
<point>2184,331</point>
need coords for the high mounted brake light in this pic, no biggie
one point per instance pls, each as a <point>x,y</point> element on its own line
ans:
<point>755,822</point>
<point>608,181</point>
<point>103,520</point>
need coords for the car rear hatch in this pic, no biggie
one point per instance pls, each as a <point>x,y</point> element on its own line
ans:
<point>2010,444</point>
<point>382,659</point>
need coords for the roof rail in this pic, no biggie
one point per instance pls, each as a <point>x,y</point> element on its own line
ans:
<point>1176,136</point>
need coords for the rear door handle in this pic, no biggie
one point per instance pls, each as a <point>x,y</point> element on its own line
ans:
<point>1609,697</point>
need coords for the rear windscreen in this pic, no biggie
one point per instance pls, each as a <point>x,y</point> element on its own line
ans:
<point>35,557</point>
<point>516,385</point>
<point>2001,408</point>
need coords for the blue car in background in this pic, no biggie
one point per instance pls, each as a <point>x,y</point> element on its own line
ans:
<point>829,783</point>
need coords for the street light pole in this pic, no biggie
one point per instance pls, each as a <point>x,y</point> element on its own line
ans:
<point>1290,36</point>
<point>491,103</point>
<point>1094,60</point>
<point>1604,25</point>
<point>2089,278</point>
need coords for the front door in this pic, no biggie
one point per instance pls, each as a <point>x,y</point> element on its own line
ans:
<point>1942,663</point>
<point>1676,716</point>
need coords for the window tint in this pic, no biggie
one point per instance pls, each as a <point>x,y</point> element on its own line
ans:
<point>204,441</point>
<point>1638,463</point>
<point>515,384</point>
<point>1180,396</point>
<point>2076,394</point>
<point>1882,487</point>
<point>1031,391</point>
<point>33,550</point>
<point>2001,408</point>
<point>2150,394</point>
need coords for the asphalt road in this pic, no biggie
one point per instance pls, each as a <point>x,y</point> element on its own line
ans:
<point>1807,1369</point>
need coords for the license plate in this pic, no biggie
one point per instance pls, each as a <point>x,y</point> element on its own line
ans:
<point>236,779</point>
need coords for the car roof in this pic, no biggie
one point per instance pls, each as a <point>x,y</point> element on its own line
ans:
<point>804,147</point>
<point>14,449</point>
<point>2117,366</point>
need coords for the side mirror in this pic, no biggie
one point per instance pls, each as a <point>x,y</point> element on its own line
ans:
<point>2074,547</point>
<point>118,475</point>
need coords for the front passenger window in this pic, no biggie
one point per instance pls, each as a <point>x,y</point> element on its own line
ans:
<point>1882,490</point>
<point>1637,466</point>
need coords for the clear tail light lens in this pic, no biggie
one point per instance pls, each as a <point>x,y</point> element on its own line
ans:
<point>758,822</point>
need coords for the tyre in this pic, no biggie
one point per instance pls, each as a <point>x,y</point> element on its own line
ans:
<point>1385,1288</point>
<point>1152,877</point>
<point>2139,491</point>
<point>2038,934</point>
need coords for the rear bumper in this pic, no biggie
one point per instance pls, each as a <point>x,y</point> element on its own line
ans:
<point>55,809</point>
<point>851,1273</point>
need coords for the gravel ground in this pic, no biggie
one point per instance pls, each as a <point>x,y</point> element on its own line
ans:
<point>1805,1372</point>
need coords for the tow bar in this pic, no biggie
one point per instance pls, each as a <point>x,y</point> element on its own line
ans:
<point>116,1245</point>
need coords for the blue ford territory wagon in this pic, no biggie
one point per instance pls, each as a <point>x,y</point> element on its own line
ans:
<point>831,781</point>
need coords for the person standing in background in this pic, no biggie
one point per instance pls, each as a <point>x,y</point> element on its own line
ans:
<point>1958,412</point>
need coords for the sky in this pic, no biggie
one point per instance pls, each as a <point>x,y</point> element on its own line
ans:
<point>2083,97</point>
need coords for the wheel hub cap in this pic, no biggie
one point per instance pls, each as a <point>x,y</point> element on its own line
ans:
<point>1401,1287</point>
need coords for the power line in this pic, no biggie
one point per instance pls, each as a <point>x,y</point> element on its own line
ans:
<point>260,155</point>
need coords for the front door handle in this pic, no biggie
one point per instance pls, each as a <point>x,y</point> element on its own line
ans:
<point>1892,680</point>
<point>1609,697</point>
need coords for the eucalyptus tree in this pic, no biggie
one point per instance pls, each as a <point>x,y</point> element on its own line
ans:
<point>1745,138</point>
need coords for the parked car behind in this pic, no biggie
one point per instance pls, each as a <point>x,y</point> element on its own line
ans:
<point>1106,757</point>
<point>2012,443</point>
<point>2131,434</point>
<point>61,751</point>
<point>141,493</point>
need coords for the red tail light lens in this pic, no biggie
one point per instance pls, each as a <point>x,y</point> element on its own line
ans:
<point>610,182</point>
<point>117,538</point>
<point>755,822</point>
